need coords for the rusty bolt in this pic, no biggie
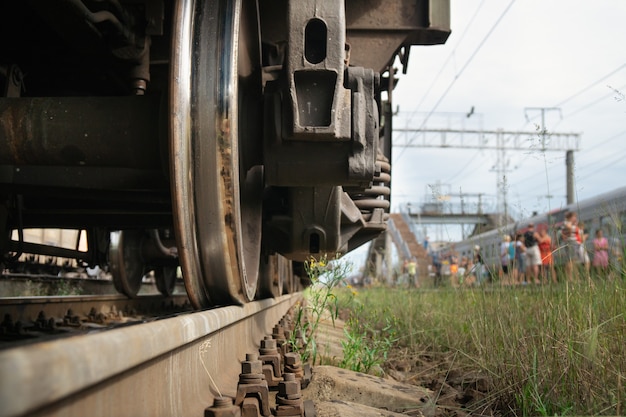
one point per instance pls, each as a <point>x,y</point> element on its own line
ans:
<point>278,332</point>
<point>289,386</point>
<point>292,358</point>
<point>268,344</point>
<point>252,364</point>
<point>223,407</point>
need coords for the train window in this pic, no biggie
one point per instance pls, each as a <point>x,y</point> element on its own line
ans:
<point>607,224</point>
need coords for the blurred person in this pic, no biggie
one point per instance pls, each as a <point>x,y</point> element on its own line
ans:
<point>411,269</point>
<point>465,272</point>
<point>520,259</point>
<point>600,253</point>
<point>482,271</point>
<point>584,255</point>
<point>570,237</point>
<point>545,249</point>
<point>505,259</point>
<point>454,266</point>
<point>436,268</point>
<point>533,256</point>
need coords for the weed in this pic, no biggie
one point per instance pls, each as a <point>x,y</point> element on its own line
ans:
<point>65,287</point>
<point>548,350</point>
<point>367,343</point>
<point>321,302</point>
<point>202,350</point>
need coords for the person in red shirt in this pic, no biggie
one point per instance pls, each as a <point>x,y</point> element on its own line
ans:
<point>545,249</point>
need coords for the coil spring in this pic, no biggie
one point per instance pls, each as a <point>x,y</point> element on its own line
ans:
<point>377,196</point>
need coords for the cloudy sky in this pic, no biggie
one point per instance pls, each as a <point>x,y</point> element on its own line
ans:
<point>502,58</point>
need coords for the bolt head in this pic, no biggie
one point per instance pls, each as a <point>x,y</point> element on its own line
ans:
<point>252,367</point>
<point>268,344</point>
<point>288,388</point>
<point>292,358</point>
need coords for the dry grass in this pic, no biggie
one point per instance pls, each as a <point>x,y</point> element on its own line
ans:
<point>548,350</point>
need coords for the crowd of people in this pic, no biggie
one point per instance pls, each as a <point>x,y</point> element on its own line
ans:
<point>529,258</point>
<point>460,271</point>
<point>529,255</point>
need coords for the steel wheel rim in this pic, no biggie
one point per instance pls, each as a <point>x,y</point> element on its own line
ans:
<point>165,279</point>
<point>211,197</point>
<point>126,262</point>
<point>271,276</point>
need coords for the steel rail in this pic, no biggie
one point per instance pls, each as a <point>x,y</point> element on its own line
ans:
<point>161,368</point>
<point>27,308</point>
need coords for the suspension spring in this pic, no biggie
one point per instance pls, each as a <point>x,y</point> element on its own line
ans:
<point>376,196</point>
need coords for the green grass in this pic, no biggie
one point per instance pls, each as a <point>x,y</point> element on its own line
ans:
<point>548,350</point>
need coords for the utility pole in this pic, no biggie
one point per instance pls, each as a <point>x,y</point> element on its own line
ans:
<point>502,168</point>
<point>499,140</point>
<point>569,174</point>
<point>569,154</point>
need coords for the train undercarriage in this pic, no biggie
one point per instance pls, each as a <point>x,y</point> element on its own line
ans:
<point>231,138</point>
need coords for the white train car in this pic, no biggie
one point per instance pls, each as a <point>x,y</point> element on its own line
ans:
<point>606,211</point>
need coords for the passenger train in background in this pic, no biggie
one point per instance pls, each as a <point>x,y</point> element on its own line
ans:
<point>606,211</point>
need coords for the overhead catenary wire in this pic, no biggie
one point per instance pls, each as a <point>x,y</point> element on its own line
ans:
<point>458,75</point>
<point>587,88</point>
<point>443,66</point>
<point>581,170</point>
<point>609,139</point>
<point>469,162</point>
<point>593,84</point>
<point>593,103</point>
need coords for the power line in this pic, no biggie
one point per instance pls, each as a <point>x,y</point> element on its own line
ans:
<point>593,103</point>
<point>593,84</point>
<point>617,136</point>
<point>458,75</point>
<point>432,83</point>
<point>471,160</point>
<point>586,106</point>
<point>579,168</point>
<point>609,139</point>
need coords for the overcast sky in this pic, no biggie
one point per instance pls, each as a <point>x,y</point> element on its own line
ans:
<point>535,53</point>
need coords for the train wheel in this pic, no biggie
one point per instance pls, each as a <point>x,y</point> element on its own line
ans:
<point>301,278</point>
<point>270,278</point>
<point>126,262</point>
<point>217,182</point>
<point>165,278</point>
<point>289,279</point>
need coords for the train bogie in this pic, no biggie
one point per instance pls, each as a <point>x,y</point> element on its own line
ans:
<point>227,137</point>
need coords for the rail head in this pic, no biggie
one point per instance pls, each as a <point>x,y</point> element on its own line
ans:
<point>69,371</point>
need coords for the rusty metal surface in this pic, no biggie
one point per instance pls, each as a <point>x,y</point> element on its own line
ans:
<point>216,200</point>
<point>80,131</point>
<point>376,29</point>
<point>154,369</point>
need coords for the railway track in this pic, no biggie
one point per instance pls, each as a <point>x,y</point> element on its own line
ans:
<point>232,139</point>
<point>160,368</point>
<point>34,319</point>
